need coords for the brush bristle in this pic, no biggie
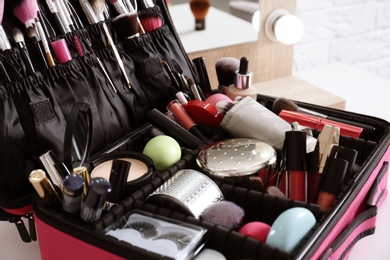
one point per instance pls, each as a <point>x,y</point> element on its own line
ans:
<point>190,82</point>
<point>283,104</point>
<point>126,25</point>
<point>151,21</point>
<point>226,70</point>
<point>200,8</point>
<point>17,35</point>
<point>224,213</point>
<point>27,10</point>
<point>98,6</point>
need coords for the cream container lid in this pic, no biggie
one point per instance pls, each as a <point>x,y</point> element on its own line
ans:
<point>237,157</point>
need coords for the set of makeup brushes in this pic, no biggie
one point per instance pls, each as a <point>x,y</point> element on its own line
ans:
<point>47,22</point>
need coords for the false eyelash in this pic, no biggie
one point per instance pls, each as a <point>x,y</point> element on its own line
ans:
<point>180,239</point>
<point>146,229</point>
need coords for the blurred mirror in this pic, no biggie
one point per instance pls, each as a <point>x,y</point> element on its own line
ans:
<point>227,23</point>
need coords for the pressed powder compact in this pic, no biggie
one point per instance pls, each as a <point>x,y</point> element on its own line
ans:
<point>239,157</point>
<point>140,172</point>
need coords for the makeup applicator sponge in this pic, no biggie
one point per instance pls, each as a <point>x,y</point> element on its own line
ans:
<point>224,213</point>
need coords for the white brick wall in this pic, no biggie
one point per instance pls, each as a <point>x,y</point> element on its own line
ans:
<point>355,32</point>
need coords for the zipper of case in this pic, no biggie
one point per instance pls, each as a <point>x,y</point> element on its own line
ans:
<point>26,235</point>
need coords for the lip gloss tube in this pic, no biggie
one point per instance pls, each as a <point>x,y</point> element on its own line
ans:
<point>185,119</point>
<point>318,123</point>
<point>331,182</point>
<point>92,205</point>
<point>296,176</point>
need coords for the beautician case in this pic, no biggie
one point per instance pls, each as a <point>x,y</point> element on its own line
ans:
<point>351,217</point>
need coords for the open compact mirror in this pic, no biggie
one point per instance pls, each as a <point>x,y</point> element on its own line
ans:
<point>78,135</point>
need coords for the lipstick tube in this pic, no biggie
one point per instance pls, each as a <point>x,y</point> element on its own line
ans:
<point>44,187</point>
<point>331,182</point>
<point>327,140</point>
<point>296,176</point>
<point>318,123</point>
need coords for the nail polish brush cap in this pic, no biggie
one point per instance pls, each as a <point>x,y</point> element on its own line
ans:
<point>243,79</point>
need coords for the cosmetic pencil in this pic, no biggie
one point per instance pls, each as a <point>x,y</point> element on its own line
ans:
<point>45,44</point>
<point>4,42</point>
<point>63,16</point>
<point>20,43</point>
<point>68,14</point>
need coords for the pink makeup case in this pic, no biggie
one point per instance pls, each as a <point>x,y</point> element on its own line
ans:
<point>38,107</point>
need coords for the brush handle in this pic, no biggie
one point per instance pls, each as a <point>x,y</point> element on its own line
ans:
<point>116,53</point>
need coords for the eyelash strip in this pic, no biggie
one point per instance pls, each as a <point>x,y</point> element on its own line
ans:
<point>180,239</point>
<point>146,229</point>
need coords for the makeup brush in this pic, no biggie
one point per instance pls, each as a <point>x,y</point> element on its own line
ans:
<point>199,9</point>
<point>4,42</point>
<point>88,11</point>
<point>55,17</point>
<point>282,103</point>
<point>224,213</point>
<point>126,25</point>
<point>151,21</point>
<point>226,68</point>
<point>119,6</point>
<point>116,53</point>
<point>134,10</point>
<point>45,44</point>
<point>98,8</point>
<point>26,12</point>
<point>36,42</point>
<point>20,43</point>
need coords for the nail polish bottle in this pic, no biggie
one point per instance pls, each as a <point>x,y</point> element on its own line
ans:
<point>242,83</point>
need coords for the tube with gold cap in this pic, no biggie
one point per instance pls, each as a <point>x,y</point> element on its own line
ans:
<point>83,171</point>
<point>44,187</point>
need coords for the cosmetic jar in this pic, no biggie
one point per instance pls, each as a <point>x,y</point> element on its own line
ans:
<point>238,158</point>
<point>188,191</point>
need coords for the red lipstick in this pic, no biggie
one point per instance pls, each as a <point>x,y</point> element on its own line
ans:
<point>331,182</point>
<point>318,123</point>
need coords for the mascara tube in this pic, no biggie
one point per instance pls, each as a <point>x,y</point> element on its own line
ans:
<point>92,205</point>
<point>118,177</point>
<point>73,193</point>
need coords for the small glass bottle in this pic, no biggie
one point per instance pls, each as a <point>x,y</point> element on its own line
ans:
<point>242,83</point>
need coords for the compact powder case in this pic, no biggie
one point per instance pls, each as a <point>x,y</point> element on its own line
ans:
<point>237,157</point>
<point>188,191</point>
<point>141,170</point>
